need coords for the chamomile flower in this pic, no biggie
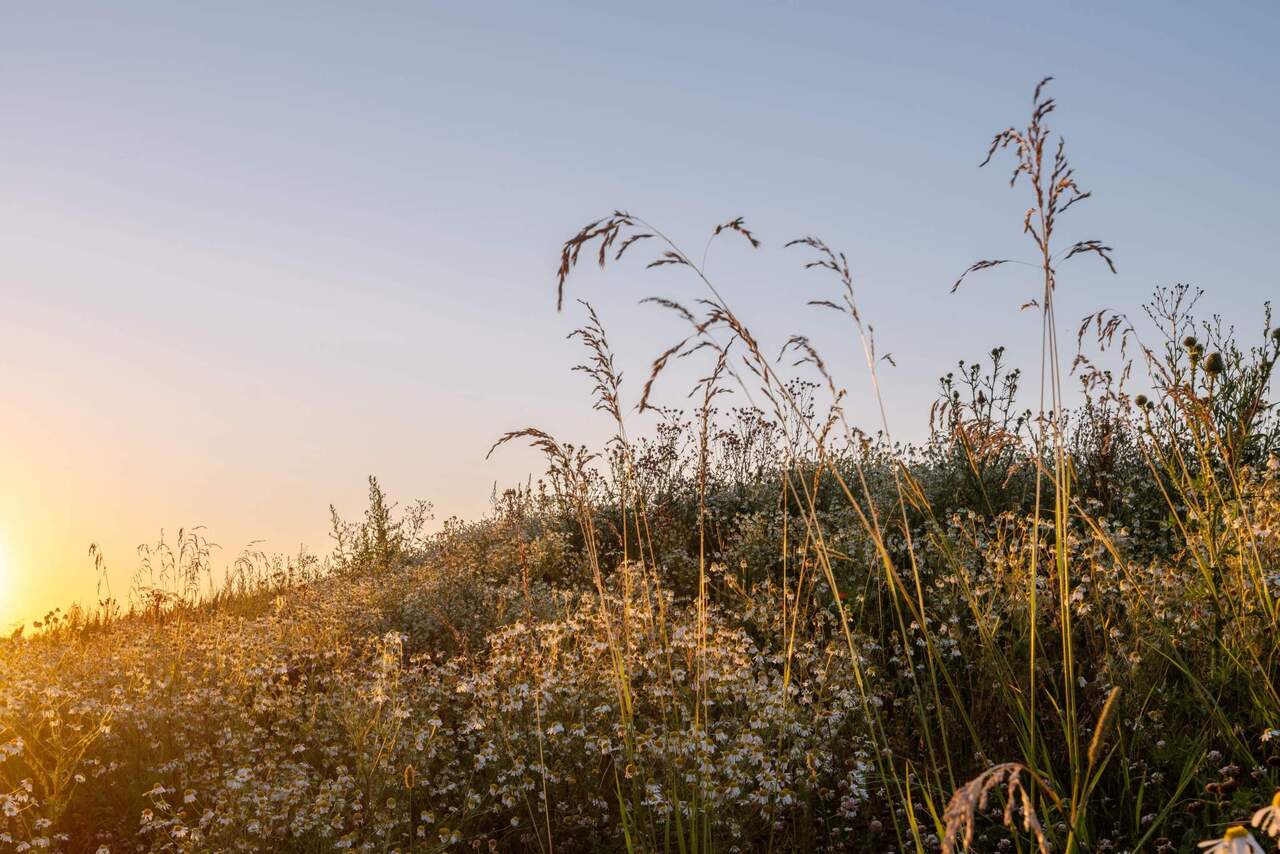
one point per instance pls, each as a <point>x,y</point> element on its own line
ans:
<point>1267,819</point>
<point>1237,840</point>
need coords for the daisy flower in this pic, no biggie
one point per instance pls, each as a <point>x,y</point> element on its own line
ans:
<point>1267,819</point>
<point>1236,840</point>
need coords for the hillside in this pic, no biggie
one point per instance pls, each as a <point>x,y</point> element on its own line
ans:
<point>759,627</point>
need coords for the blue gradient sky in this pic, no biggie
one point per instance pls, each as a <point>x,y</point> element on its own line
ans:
<point>249,255</point>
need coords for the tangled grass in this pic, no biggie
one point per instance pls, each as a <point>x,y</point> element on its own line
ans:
<point>757,628</point>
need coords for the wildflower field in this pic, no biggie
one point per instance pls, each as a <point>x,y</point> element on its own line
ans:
<point>760,627</point>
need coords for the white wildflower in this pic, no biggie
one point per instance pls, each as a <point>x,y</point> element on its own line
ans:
<point>1236,840</point>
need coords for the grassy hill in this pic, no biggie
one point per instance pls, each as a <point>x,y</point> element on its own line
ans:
<point>758,628</point>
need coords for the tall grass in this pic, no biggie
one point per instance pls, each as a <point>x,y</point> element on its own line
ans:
<point>1196,457</point>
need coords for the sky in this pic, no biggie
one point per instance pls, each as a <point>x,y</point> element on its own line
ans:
<point>251,254</point>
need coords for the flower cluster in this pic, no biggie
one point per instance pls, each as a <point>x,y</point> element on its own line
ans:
<point>314,723</point>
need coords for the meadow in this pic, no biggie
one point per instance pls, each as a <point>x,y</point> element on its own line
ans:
<point>757,627</point>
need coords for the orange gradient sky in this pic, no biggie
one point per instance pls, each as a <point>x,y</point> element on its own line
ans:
<point>250,255</point>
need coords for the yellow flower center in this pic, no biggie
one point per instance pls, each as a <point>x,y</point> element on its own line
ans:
<point>1275,800</point>
<point>1236,832</point>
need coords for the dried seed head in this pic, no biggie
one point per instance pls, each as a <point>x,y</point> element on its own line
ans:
<point>1214,365</point>
<point>972,799</point>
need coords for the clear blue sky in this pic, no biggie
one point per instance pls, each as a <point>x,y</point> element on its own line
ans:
<point>250,253</point>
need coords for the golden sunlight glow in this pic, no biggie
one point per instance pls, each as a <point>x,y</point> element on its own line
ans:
<point>6,586</point>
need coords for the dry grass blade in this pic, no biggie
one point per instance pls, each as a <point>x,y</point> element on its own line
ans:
<point>736,225</point>
<point>668,257</point>
<point>601,369</point>
<point>538,439</point>
<point>1100,729</point>
<point>606,231</point>
<point>971,800</point>
<point>1096,247</point>
<point>980,265</point>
